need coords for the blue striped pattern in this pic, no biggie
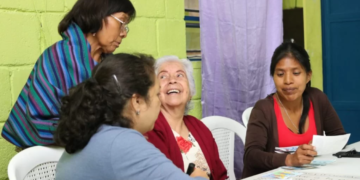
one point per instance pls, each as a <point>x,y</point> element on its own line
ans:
<point>36,112</point>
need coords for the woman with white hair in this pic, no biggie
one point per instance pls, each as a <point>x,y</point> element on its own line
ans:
<point>184,139</point>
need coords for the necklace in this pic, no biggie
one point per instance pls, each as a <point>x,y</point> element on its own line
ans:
<point>302,106</point>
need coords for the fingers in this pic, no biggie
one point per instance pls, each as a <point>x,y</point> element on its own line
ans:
<point>310,153</point>
<point>305,159</point>
<point>302,159</point>
<point>307,147</point>
<point>305,154</point>
<point>307,150</point>
<point>199,173</point>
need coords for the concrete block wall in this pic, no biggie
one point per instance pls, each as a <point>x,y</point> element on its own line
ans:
<point>28,27</point>
<point>197,111</point>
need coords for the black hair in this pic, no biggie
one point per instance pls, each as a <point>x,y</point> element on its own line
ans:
<point>89,14</point>
<point>289,49</point>
<point>102,98</point>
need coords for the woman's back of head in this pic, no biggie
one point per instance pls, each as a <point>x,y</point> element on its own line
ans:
<point>103,98</point>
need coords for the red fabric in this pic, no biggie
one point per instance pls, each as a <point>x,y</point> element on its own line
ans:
<point>289,138</point>
<point>163,138</point>
<point>183,144</point>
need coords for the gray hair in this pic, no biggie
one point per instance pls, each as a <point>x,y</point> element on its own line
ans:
<point>188,71</point>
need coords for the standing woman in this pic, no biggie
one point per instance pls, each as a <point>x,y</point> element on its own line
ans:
<point>91,30</point>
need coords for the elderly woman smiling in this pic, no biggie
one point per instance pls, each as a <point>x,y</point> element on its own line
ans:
<point>184,139</point>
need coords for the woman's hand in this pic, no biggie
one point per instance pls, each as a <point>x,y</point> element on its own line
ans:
<point>303,155</point>
<point>199,173</point>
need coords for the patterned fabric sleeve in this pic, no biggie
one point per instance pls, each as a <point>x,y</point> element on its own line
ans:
<point>63,65</point>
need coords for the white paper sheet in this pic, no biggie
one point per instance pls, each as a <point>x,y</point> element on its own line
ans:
<point>329,144</point>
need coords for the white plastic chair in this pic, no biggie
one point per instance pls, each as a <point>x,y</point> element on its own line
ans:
<point>38,162</point>
<point>246,116</point>
<point>224,129</point>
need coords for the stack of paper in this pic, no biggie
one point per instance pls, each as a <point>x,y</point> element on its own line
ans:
<point>286,150</point>
<point>314,164</point>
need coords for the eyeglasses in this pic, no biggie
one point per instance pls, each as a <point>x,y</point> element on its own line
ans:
<point>123,27</point>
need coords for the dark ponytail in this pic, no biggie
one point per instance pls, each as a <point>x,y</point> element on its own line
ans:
<point>306,109</point>
<point>288,49</point>
<point>102,99</point>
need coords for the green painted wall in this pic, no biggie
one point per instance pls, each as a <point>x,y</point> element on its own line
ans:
<point>197,110</point>
<point>289,4</point>
<point>30,26</point>
<point>313,40</point>
<point>312,35</point>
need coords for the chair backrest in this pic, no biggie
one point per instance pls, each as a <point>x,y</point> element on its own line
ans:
<point>224,129</point>
<point>38,162</point>
<point>246,116</point>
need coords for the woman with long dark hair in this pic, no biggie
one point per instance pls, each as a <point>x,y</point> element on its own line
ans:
<point>288,117</point>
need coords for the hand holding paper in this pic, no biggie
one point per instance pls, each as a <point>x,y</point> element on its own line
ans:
<point>329,144</point>
<point>304,154</point>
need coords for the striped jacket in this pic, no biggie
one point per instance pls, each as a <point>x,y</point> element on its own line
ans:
<point>35,114</point>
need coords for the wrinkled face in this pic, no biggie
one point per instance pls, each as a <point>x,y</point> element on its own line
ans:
<point>112,32</point>
<point>290,78</point>
<point>174,84</point>
<point>149,110</point>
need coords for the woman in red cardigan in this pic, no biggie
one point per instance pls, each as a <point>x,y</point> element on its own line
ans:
<point>184,139</point>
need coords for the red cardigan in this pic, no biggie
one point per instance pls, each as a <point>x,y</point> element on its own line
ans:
<point>163,138</point>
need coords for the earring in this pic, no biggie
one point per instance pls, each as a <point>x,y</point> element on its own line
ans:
<point>137,112</point>
<point>94,34</point>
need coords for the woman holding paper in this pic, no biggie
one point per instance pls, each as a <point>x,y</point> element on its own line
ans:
<point>288,117</point>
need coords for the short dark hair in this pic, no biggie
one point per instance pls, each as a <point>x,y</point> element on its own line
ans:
<point>289,49</point>
<point>89,14</point>
<point>102,98</point>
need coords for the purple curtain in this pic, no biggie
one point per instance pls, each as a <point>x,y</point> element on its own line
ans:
<point>238,38</point>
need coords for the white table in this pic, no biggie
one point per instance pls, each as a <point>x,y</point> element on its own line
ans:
<point>342,166</point>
